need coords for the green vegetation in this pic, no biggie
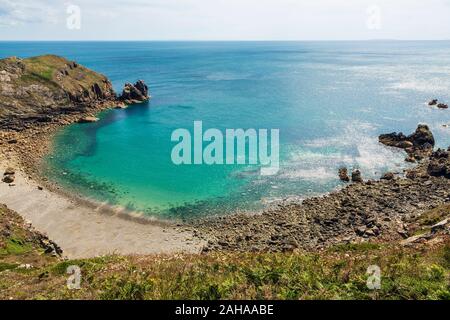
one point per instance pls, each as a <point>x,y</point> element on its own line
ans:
<point>15,246</point>
<point>332,274</point>
<point>46,67</point>
<point>339,272</point>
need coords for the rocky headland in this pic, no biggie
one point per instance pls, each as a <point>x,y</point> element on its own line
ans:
<point>50,89</point>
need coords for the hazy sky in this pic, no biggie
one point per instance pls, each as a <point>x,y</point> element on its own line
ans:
<point>224,19</point>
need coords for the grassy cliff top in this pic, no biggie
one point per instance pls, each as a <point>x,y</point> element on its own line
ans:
<point>51,68</point>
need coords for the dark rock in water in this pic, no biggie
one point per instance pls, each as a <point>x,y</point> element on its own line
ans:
<point>433,102</point>
<point>388,176</point>
<point>422,137</point>
<point>418,145</point>
<point>392,139</point>
<point>135,93</point>
<point>142,87</point>
<point>343,174</point>
<point>442,106</point>
<point>356,176</point>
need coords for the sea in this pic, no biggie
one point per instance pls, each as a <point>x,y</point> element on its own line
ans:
<point>329,101</point>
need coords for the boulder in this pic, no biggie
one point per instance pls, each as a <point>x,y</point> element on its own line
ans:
<point>388,176</point>
<point>440,154</point>
<point>88,119</point>
<point>439,168</point>
<point>8,178</point>
<point>356,176</point>
<point>343,174</point>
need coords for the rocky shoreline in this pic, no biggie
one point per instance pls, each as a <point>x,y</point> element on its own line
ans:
<point>377,211</point>
<point>370,211</point>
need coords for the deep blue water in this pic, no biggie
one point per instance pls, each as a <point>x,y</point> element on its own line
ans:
<point>330,101</point>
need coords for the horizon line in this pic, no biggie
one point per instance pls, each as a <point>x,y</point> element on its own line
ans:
<point>230,40</point>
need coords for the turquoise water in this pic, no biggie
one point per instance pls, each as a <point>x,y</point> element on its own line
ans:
<point>330,101</point>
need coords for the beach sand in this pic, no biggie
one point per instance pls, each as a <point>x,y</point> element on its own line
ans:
<point>85,230</point>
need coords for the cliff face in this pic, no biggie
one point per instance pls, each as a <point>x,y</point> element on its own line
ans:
<point>40,88</point>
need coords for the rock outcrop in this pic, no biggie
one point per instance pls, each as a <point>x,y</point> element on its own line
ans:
<point>439,165</point>
<point>38,89</point>
<point>45,88</point>
<point>88,119</point>
<point>418,145</point>
<point>343,174</point>
<point>356,176</point>
<point>388,176</point>
<point>14,228</point>
<point>135,93</point>
<point>9,175</point>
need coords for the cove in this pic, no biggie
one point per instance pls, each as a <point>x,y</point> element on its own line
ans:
<point>329,100</point>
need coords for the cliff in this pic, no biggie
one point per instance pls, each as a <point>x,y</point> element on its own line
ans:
<point>36,90</point>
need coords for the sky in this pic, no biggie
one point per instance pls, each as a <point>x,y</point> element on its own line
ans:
<point>224,19</point>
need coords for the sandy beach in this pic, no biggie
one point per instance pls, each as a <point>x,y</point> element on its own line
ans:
<point>83,231</point>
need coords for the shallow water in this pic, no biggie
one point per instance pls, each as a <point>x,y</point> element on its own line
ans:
<point>330,101</point>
